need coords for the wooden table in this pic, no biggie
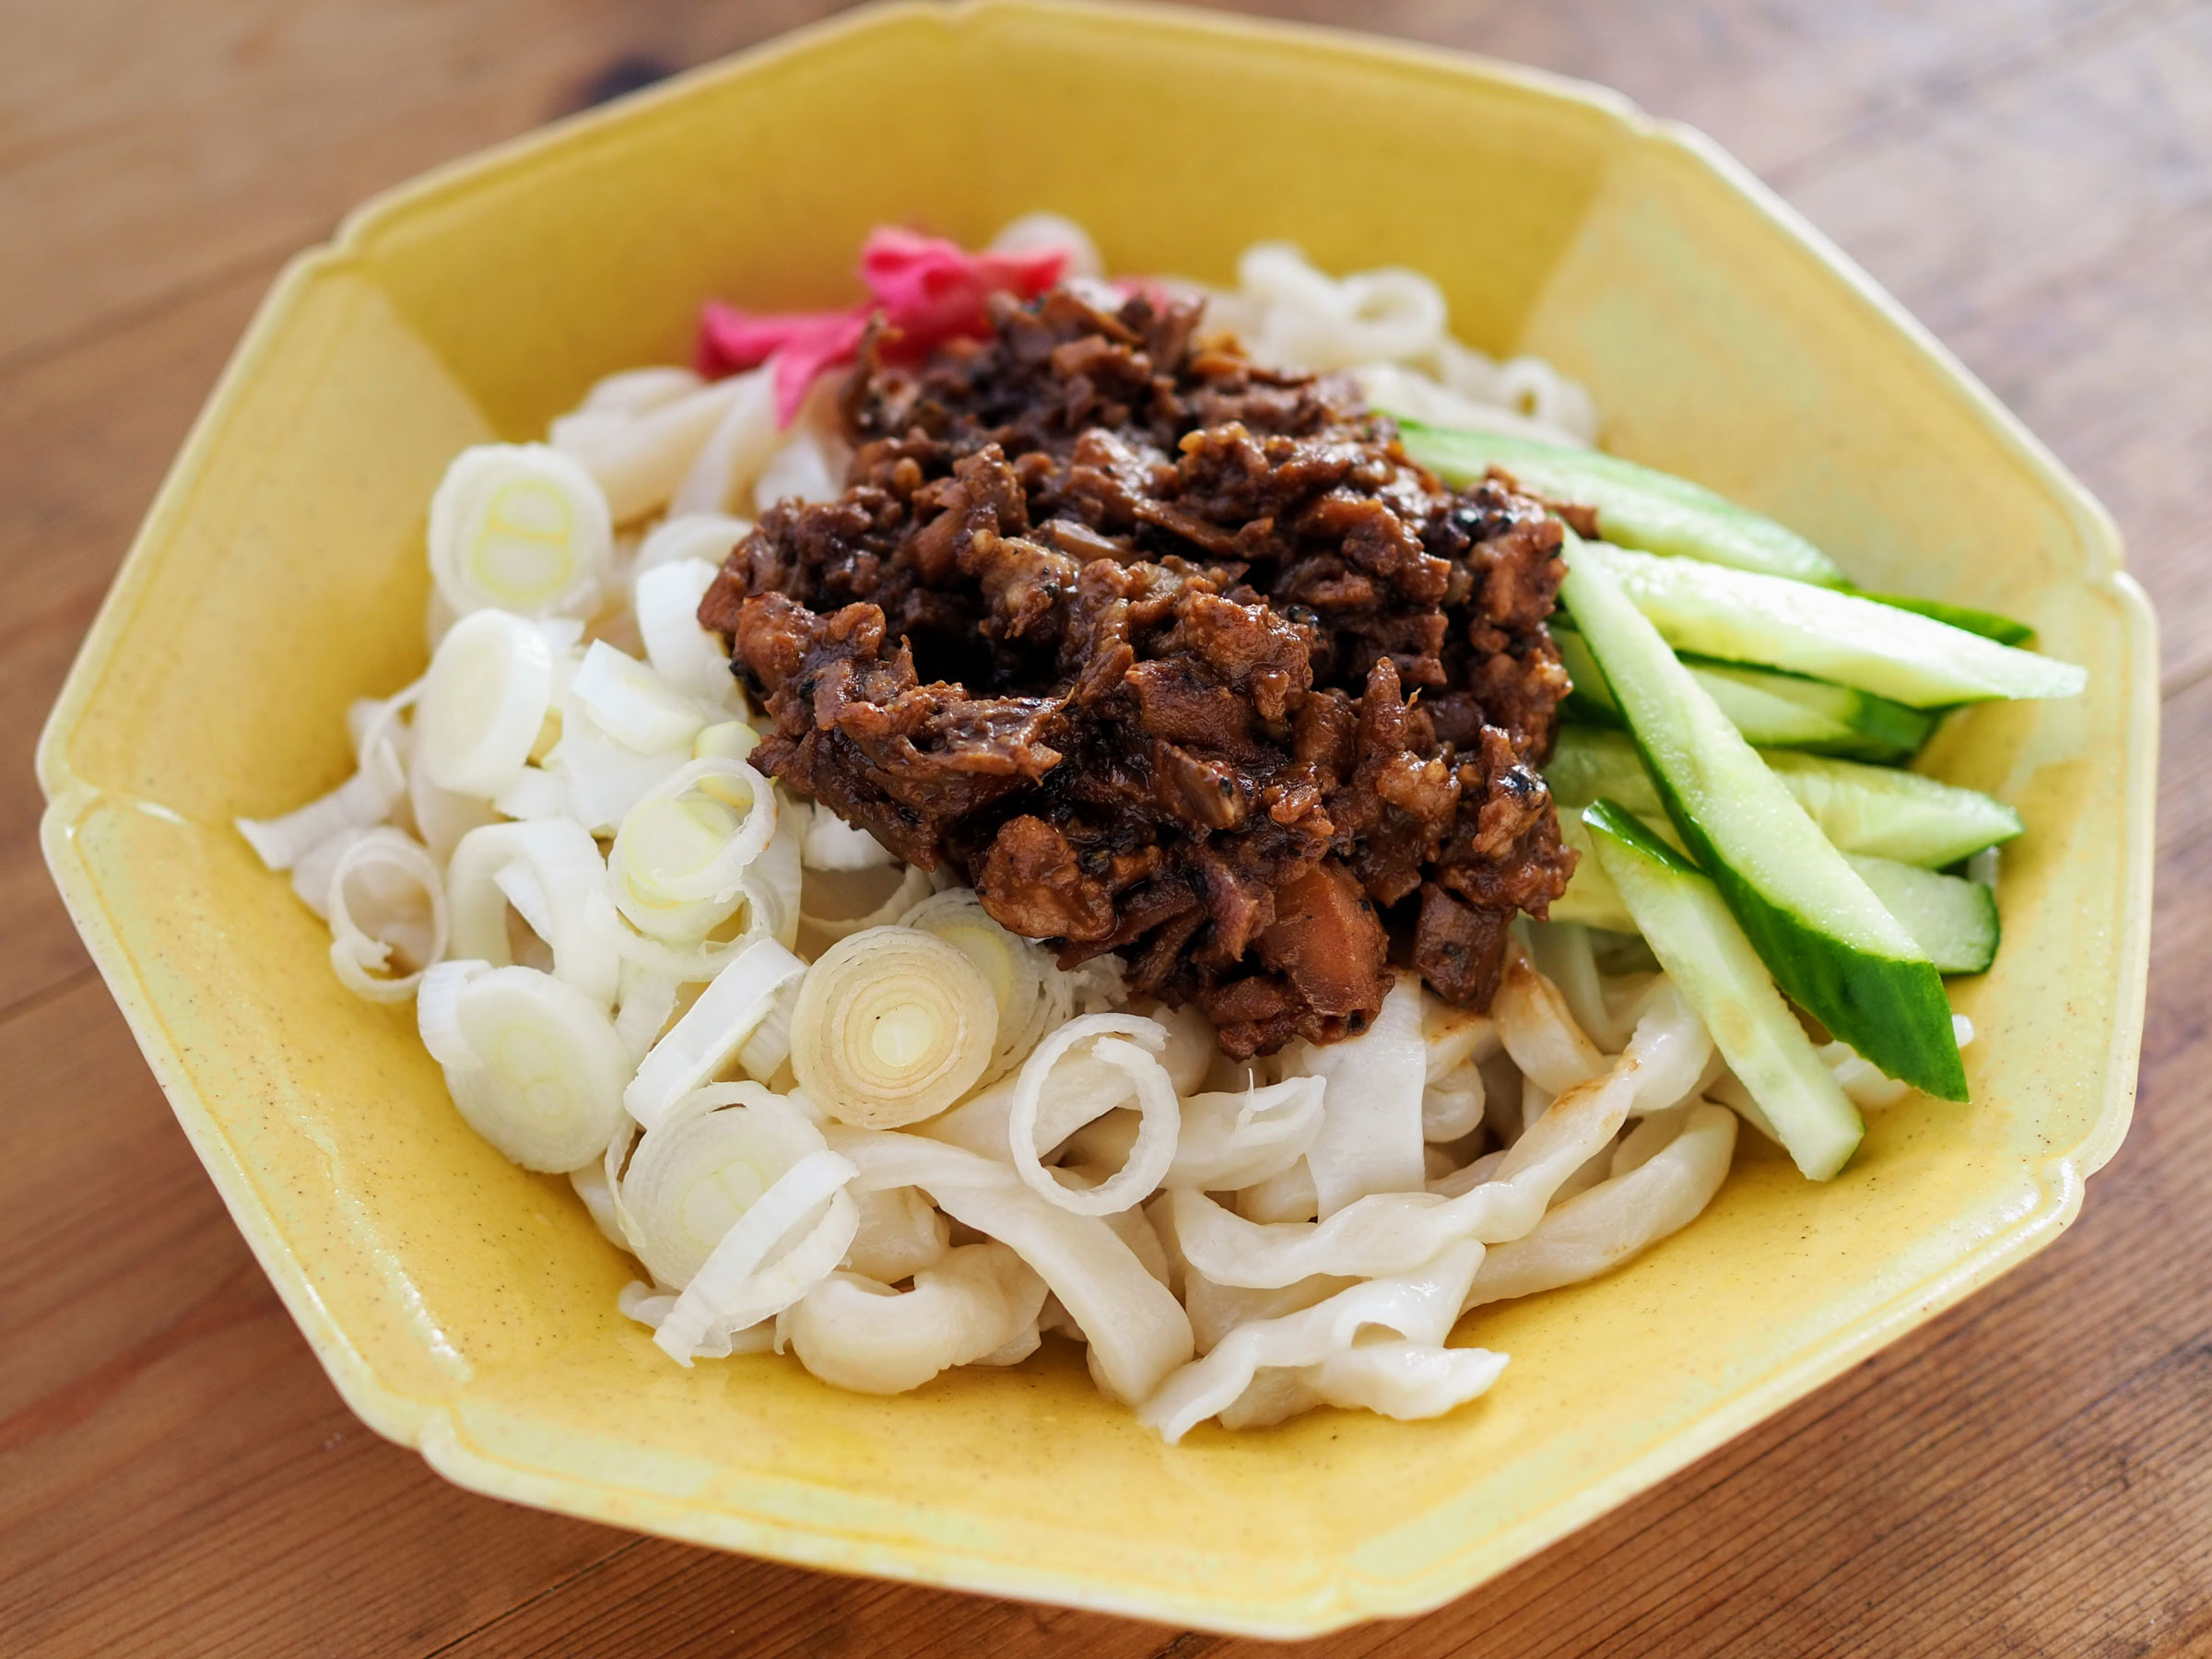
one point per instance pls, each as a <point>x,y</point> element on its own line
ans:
<point>2032,1473</point>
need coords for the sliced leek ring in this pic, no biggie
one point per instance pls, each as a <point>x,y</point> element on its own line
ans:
<point>700,1168</point>
<point>483,703</point>
<point>549,871</point>
<point>520,528</point>
<point>682,652</point>
<point>1128,1043</point>
<point>1033,995</point>
<point>836,904</point>
<point>633,704</point>
<point>387,912</point>
<point>892,1026</point>
<point>833,844</point>
<point>679,858</point>
<point>712,1031</point>
<point>533,1064</point>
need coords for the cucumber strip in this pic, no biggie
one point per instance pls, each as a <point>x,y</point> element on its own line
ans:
<point>1686,923</point>
<point>1741,616</point>
<point>1953,920</point>
<point>1988,624</point>
<point>1637,506</point>
<point>1591,898</point>
<point>1822,934</point>
<point>1882,812</point>
<point>1771,708</point>
<point>1875,811</point>
<point>1786,711</point>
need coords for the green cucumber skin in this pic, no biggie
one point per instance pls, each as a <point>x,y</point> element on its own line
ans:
<point>1698,941</point>
<point>1820,718</point>
<point>1862,725</point>
<point>1882,812</point>
<point>1743,616</point>
<point>1988,624</point>
<point>1874,811</point>
<point>1889,1007</point>
<point>1704,520</point>
<point>1637,506</point>
<point>1955,921</point>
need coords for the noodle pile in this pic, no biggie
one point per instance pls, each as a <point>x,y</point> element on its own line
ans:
<point>833,1110</point>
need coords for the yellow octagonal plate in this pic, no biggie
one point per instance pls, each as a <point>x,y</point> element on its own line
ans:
<point>468,1309</point>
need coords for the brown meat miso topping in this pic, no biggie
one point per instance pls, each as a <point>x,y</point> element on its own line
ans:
<point>1170,655</point>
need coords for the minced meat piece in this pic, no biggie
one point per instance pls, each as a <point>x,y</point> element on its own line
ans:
<point>1170,655</point>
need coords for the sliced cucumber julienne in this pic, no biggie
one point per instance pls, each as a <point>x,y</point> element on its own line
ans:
<point>1591,898</point>
<point>1824,937</point>
<point>1955,921</point>
<point>1988,624</point>
<point>1882,812</point>
<point>1875,811</point>
<point>1637,506</point>
<point>1684,920</point>
<point>1772,710</point>
<point>1739,615</point>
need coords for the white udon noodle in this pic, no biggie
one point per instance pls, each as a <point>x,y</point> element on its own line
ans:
<point>1230,1242</point>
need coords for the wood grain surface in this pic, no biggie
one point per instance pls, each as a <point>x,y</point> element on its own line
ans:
<point>2031,1473</point>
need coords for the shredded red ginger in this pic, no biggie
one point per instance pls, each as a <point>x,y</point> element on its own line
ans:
<point>929,290</point>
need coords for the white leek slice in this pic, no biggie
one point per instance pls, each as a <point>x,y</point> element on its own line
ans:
<point>712,1031</point>
<point>1233,1140</point>
<point>606,777</point>
<point>687,964</point>
<point>774,882</point>
<point>310,871</point>
<point>836,904</point>
<point>707,538</point>
<point>1033,995</point>
<point>534,794</point>
<point>520,528</point>
<point>363,800</point>
<point>859,1334</point>
<point>1159,1115</point>
<point>682,652</point>
<point>764,1053</point>
<point>1136,1330</point>
<point>632,704</point>
<point>892,1026</point>
<point>731,740</point>
<point>564,871</point>
<point>747,1279</point>
<point>483,702</point>
<point>833,844</point>
<point>387,915</point>
<point>699,1170</point>
<point>443,818</point>
<point>533,1063</point>
<point>688,842</point>
<point>648,999</point>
